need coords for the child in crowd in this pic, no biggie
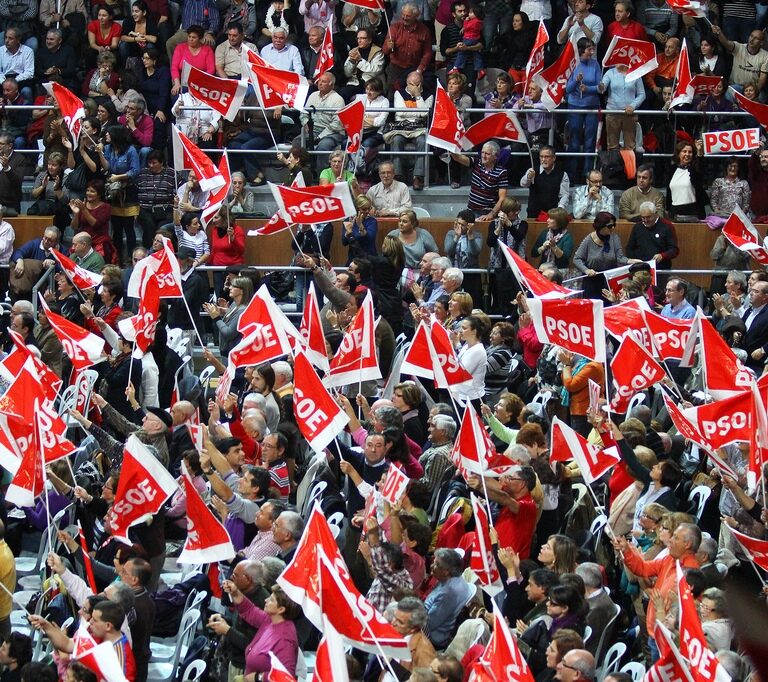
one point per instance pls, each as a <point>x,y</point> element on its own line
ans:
<point>471,32</point>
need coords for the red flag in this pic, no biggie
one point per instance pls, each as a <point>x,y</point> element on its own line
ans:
<point>318,580</point>
<point>758,441</point>
<point>164,267</point>
<point>576,325</point>
<point>276,223</point>
<point>482,560</point>
<point>352,117</point>
<point>740,231</point>
<point>693,643</point>
<point>207,540</point>
<point>759,111</point>
<point>311,330</point>
<point>325,58</point>
<point>218,197</point>
<point>141,328</point>
<point>502,659</point>
<point>224,95</point>
<point>535,63</point>
<point>368,4</point>
<point>186,154</point>
<point>144,486</point>
<point>330,661</point>
<point>275,87</point>
<point>671,665</point>
<point>278,673</point>
<point>627,318</point>
<point>634,370</point>
<point>395,486</point>
<point>102,659</point>
<point>225,383</point>
<point>502,125</point>
<point>356,359</point>
<point>668,336</point>
<point>87,559</point>
<point>568,444</point>
<point>472,449</point>
<point>704,85</point>
<point>213,580</point>
<point>724,421</point>
<point>431,355</point>
<point>690,8</point>
<point>554,78</point>
<point>638,55</point>
<point>312,205</point>
<point>447,128</point>
<point>683,92</point>
<point>755,549</point>
<point>319,416</point>
<point>80,277</point>
<point>615,277</point>
<point>530,278</point>
<point>82,347</point>
<point>70,106</point>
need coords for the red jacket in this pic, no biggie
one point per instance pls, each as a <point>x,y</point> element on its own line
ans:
<point>224,252</point>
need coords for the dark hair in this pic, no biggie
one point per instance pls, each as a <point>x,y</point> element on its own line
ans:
<point>544,578</point>
<point>292,609</point>
<point>199,31</point>
<point>467,215</point>
<point>261,479</point>
<point>729,161</point>
<point>267,373</point>
<point>682,285</point>
<point>187,218</point>
<point>81,673</point>
<point>583,43</point>
<point>375,84</point>
<point>111,612</point>
<point>301,154</point>
<point>527,476</point>
<point>696,580</point>
<point>108,10</point>
<point>39,672</point>
<point>364,268</point>
<point>94,122</point>
<point>531,434</point>
<point>152,52</point>
<point>114,287</point>
<point>237,26</point>
<point>670,473</point>
<point>568,596</point>
<point>111,110</point>
<point>193,461</point>
<point>27,321</point>
<point>524,16</point>
<point>477,323</point>
<point>141,569</point>
<point>418,532</point>
<point>393,555</point>
<point>645,168</point>
<point>506,331</point>
<point>156,155</point>
<point>478,10</point>
<point>96,184</point>
<point>224,445</point>
<point>602,219</point>
<point>141,5</point>
<point>19,648</point>
<point>119,138</point>
<point>457,3</point>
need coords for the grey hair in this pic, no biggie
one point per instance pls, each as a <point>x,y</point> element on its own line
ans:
<point>739,278</point>
<point>390,416</point>
<point>422,675</point>
<point>139,102</point>
<point>591,574</point>
<point>450,560</point>
<point>519,453</point>
<point>692,535</point>
<point>56,32</point>
<point>271,568</point>
<point>648,206</point>
<point>446,424</point>
<point>736,666</point>
<point>417,612</point>
<point>412,7</point>
<point>708,547</point>
<point>124,595</point>
<point>260,400</point>
<point>52,229</point>
<point>24,306</point>
<point>442,262</point>
<point>718,597</point>
<point>256,420</point>
<point>493,147</point>
<point>294,524</point>
<point>278,29</point>
<point>454,274</point>
<point>584,663</point>
<point>239,174</point>
<point>282,368</point>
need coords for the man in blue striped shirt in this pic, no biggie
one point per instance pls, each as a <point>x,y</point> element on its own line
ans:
<point>196,13</point>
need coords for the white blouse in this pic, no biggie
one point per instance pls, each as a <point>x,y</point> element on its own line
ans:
<point>473,359</point>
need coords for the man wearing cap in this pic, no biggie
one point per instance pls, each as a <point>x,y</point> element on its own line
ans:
<point>195,290</point>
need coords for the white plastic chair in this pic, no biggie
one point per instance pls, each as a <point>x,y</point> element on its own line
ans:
<point>612,660</point>
<point>173,336</point>
<point>542,397</point>
<point>637,399</point>
<point>421,212</point>
<point>699,496</point>
<point>636,670</point>
<point>164,648</point>
<point>165,672</point>
<point>194,671</point>
<point>205,377</point>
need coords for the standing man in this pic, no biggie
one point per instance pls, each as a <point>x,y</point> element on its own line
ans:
<point>653,237</point>
<point>12,166</point>
<point>632,198</point>
<point>756,320</point>
<point>488,185</point>
<point>549,188</point>
<point>408,46</point>
<point>203,13</point>
<point>750,60</point>
<point>157,189</point>
<point>664,73</point>
<point>581,24</point>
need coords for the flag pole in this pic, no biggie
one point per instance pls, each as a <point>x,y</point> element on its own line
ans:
<point>130,366</point>
<point>749,556</point>
<point>192,320</point>
<point>13,598</point>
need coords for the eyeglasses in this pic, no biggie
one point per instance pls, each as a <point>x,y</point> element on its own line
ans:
<point>570,667</point>
<point>612,226</point>
<point>649,517</point>
<point>554,603</point>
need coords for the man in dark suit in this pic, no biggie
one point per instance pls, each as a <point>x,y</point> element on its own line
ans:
<point>137,574</point>
<point>755,317</point>
<point>706,556</point>
<point>12,168</point>
<point>181,440</point>
<point>601,607</point>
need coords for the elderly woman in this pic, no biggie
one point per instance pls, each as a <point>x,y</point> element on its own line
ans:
<point>563,641</point>
<point>488,185</point>
<point>336,172</point>
<point>686,196</point>
<point>735,299</point>
<point>728,192</point>
<point>102,78</point>
<point>242,200</point>
<point>298,163</point>
<point>713,609</point>
<point>555,244</point>
<point>48,191</point>
<point>459,305</point>
<point>359,234</point>
<point>195,53</point>
<point>416,241</point>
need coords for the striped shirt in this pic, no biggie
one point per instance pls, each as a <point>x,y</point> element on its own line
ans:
<point>202,13</point>
<point>198,242</point>
<point>278,472</point>
<point>485,186</point>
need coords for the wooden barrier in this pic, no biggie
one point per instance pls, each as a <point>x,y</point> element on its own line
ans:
<point>29,227</point>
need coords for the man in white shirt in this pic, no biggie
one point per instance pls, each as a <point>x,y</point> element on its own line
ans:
<point>18,61</point>
<point>389,197</point>
<point>592,198</point>
<point>327,128</point>
<point>581,24</point>
<point>283,56</point>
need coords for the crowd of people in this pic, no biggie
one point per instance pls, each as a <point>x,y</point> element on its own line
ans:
<point>568,592</point>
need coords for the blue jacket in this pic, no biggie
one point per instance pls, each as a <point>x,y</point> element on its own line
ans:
<point>622,94</point>
<point>33,249</point>
<point>592,74</point>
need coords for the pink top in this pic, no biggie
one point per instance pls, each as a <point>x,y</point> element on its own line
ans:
<point>203,60</point>
<point>473,28</point>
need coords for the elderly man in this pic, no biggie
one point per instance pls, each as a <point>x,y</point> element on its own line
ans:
<point>590,199</point>
<point>549,187</point>
<point>18,61</point>
<point>488,185</point>
<point>750,60</point>
<point>389,197</point>
<point>367,467</point>
<point>263,544</point>
<point>446,601</point>
<point>653,238</point>
<point>576,665</point>
<point>283,378</point>
<point>411,99</point>
<point>229,55</point>
<point>310,53</point>
<point>409,619</point>
<point>281,55</point>
<point>436,460</point>
<point>14,122</point>
<point>84,255</point>
<point>37,249</point>
<point>664,73</point>
<point>286,532</point>
<point>327,128</point>
<point>601,607</point>
<point>181,440</point>
<point>12,169</point>
<point>428,295</point>
<point>629,203</point>
<point>408,46</point>
<point>140,124</point>
<point>56,61</point>
<point>755,318</point>
<point>157,189</point>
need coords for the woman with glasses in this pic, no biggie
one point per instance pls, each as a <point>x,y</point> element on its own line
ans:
<point>226,319</point>
<point>599,251</point>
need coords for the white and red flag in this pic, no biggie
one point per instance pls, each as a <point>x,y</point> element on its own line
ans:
<point>615,277</point>
<point>15,361</point>
<point>82,347</point>
<point>219,196</point>
<point>431,355</point>
<point>740,232</point>
<point>473,449</point>
<point>311,330</point>
<point>275,87</point>
<point>481,560</point>
<point>318,580</point>
<point>224,95</point>
<point>207,539</point>
<point>704,85</point>
<point>502,125</point>
<point>724,421</point>
<point>758,441</point>
<point>356,359</point>
<point>759,111</point>
<point>395,486</point>
<point>318,415</point>
<point>368,4</point>
<point>312,205</point>
<point>325,60</point>
<point>352,117</point>
<point>567,444</point>
<point>80,277</point>
<point>144,486</point>
<point>690,8</point>
<point>668,336</point>
<point>278,672</point>
<point>627,318</point>
<point>683,91</point>
<point>447,128</point>
<point>554,78</point>
<point>639,56</point>
<point>502,660</point>
<point>71,108</point>
<point>576,325</point>
<point>634,370</point>
<point>276,223</point>
<point>535,62</point>
<point>330,661</point>
<point>225,383</point>
<point>164,267</point>
<point>755,548</point>
<point>141,328</point>
<point>102,659</point>
<point>187,155</point>
<point>531,279</point>
<point>671,665</point>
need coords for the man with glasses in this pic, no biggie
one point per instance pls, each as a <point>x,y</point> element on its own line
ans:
<point>389,197</point>
<point>229,55</point>
<point>141,126</point>
<point>592,198</point>
<point>653,238</point>
<point>38,249</point>
<point>629,203</point>
<point>577,664</point>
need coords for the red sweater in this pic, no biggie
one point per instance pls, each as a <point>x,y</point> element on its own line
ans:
<point>224,252</point>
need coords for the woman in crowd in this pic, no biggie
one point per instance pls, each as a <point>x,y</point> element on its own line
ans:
<point>715,102</point>
<point>115,379</point>
<point>102,78</point>
<point>190,232</point>
<point>106,113</point>
<point>472,358</point>
<point>242,200</point>
<point>718,628</point>
<point>337,173</point>
<point>85,160</point>
<point>373,122</point>
<point>139,32</point>
<point>48,191</point>
<point>93,216</point>
<point>155,84</point>
<point>504,419</point>
<point>599,251</point>
<point>103,34</point>
<point>555,244</point>
<point>176,514</point>
<point>459,307</point>
<point>227,245</point>
<point>686,196</point>
<point>576,373</point>
<point>359,234</point>
<point>51,351</point>
<point>511,231</point>
<point>441,310</point>
<point>517,45</point>
<point>416,241</point>
<point>406,397</point>
<point>563,641</point>
<point>711,62</point>
<point>558,554</point>
<point>226,319</point>
<point>298,162</point>
<point>502,96</point>
<point>733,302</point>
<point>193,52</point>
<point>386,270</point>
<point>498,359</point>
<point>122,162</point>
<point>728,192</point>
